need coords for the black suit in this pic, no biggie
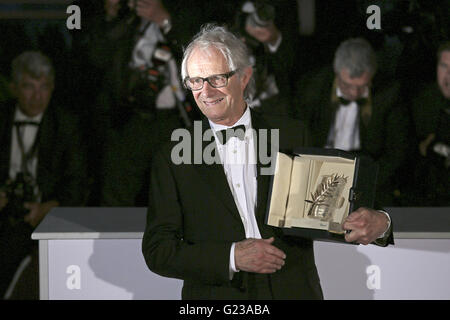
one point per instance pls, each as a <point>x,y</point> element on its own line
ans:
<point>61,176</point>
<point>193,221</point>
<point>61,172</point>
<point>383,136</point>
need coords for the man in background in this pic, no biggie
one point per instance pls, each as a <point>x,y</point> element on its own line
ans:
<point>42,165</point>
<point>348,110</point>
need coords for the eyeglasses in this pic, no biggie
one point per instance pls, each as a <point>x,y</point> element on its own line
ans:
<point>215,81</point>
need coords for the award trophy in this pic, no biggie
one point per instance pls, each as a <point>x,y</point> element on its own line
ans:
<point>327,197</point>
<point>315,189</point>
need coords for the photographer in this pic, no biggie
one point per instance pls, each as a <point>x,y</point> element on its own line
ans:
<point>42,165</point>
<point>140,54</point>
<point>143,96</point>
<point>274,54</point>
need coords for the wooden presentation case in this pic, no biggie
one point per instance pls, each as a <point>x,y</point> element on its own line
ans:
<point>307,175</point>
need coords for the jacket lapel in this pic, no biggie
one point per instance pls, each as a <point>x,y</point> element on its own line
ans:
<point>45,153</point>
<point>214,174</point>
<point>263,181</point>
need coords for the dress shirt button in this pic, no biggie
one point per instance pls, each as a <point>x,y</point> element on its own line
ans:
<point>238,185</point>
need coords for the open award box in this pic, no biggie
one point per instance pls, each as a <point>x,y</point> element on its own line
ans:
<point>314,190</point>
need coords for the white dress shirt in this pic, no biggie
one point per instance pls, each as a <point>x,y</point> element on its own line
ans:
<point>344,133</point>
<point>28,134</point>
<point>239,163</point>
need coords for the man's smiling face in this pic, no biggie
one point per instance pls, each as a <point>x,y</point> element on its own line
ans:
<point>221,105</point>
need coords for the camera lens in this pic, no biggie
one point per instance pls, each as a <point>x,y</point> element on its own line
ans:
<point>265,13</point>
<point>262,17</point>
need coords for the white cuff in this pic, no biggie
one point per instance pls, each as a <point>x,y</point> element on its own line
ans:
<point>232,264</point>
<point>389,224</point>
<point>274,48</point>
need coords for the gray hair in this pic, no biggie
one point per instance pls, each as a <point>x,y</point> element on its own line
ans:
<point>233,49</point>
<point>357,56</point>
<point>32,63</point>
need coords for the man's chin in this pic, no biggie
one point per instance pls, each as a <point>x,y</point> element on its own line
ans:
<point>216,118</point>
<point>33,112</point>
<point>212,111</point>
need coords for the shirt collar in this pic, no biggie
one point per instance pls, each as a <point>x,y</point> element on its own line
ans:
<point>245,119</point>
<point>273,48</point>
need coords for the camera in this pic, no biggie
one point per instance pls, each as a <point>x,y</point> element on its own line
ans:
<point>147,80</point>
<point>259,13</point>
<point>18,191</point>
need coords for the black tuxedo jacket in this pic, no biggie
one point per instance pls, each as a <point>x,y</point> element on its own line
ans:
<point>61,172</point>
<point>384,137</point>
<point>193,220</point>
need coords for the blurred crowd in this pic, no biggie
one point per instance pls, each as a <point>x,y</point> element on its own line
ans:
<point>82,111</point>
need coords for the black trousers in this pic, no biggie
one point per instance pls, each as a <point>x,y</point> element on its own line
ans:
<point>259,287</point>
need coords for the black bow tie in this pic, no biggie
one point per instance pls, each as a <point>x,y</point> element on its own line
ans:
<point>26,123</point>
<point>359,102</point>
<point>238,132</point>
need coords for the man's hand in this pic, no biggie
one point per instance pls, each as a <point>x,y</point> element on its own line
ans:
<point>38,211</point>
<point>3,200</point>
<point>366,225</point>
<point>258,255</point>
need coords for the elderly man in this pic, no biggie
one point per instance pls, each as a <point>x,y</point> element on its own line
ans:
<point>42,161</point>
<point>205,222</point>
<point>347,110</point>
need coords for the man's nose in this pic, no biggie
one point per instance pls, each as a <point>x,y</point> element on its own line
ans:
<point>357,92</point>
<point>353,93</point>
<point>207,89</point>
